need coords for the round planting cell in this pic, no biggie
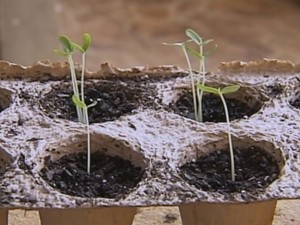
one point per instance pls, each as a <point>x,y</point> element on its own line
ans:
<point>115,169</point>
<point>5,99</point>
<point>241,105</point>
<point>257,165</point>
<point>114,98</point>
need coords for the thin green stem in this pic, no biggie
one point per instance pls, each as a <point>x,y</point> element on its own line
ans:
<point>200,93</point>
<point>75,86</point>
<point>229,137</point>
<point>84,119</point>
<point>85,110</point>
<point>192,81</point>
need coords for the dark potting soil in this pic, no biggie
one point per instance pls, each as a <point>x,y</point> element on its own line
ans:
<point>212,108</point>
<point>296,102</point>
<point>114,99</point>
<point>274,90</point>
<point>110,177</point>
<point>255,169</point>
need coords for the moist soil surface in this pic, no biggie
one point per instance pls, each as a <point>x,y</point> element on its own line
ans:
<point>110,177</point>
<point>114,98</point>
<point>254,168</point>
<point>212,108</point>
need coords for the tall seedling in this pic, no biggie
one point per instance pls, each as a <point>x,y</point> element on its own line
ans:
<point>221,93</point>
<point>78,98</point>
<point>201,55</point>
<point>183,46</point>
<point>197,94</point>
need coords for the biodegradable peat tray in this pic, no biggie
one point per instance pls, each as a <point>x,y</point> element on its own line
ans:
<point>146,146</point>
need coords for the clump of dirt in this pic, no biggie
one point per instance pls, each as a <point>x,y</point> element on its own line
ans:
<point>110,177</point>
<point>255,170</point>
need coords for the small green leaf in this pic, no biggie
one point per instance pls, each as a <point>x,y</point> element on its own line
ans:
<point>208,89</point>
<point>67,44</point>
<point>78,47</point>
<point>230,89</point>
<point>92,104</point>
<point>60,52</point>
<point>194,36</point>
<point>86,41</point>
<point>78,102</point>
<point>195,53</point>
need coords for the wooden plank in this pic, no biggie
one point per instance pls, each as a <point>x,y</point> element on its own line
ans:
<point>228,214</point>
<point>94,216</point>
<point>3,216</point>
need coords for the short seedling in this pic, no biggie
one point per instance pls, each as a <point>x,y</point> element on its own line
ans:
<point>221,93</point>
<point>78,98</point>
<point>201,55</point>
<point>68,50</point>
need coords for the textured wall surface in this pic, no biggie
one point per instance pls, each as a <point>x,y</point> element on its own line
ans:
<point>130,33</point>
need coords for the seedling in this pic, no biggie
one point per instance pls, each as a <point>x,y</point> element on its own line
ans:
<point>201,55</point>
<point>221,93</point>
<point>68,50</point>
<point>78,98</point>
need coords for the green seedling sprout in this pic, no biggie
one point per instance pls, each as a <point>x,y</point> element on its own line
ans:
<point>78,99</point>
<point>197,94</point>
<point>85,108</point>
<point>221,93</point>
<point>68,50</point>
<point>184,49</point>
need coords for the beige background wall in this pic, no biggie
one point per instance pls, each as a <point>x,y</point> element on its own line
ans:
<point>29,30</point>
<point>131,32</point>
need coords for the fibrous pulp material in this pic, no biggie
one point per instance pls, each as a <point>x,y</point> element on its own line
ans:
<point>151,137</point>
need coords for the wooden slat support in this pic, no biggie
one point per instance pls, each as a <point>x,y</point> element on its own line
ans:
<point>228,214</point>
<point>94,216</point>
<point>3,216</point>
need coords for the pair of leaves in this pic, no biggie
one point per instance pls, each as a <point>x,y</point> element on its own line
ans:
<point>218,91</point>
<point>195,37</point>
<point>69,46</point>
<point>81,104</point>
